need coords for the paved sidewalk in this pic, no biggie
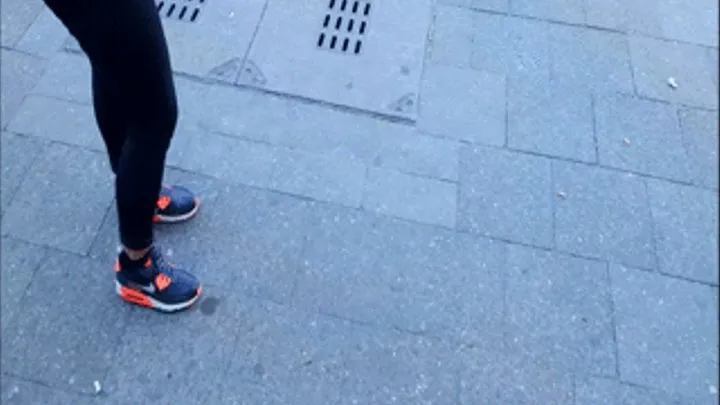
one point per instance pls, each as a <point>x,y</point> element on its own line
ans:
<point>438,202</point>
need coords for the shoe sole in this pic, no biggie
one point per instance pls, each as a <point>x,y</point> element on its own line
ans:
<point>138,298</point>
<point>162,219</point>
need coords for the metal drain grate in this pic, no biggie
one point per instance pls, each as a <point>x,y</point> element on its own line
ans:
<point>182,10</point>
<point>344,26</point>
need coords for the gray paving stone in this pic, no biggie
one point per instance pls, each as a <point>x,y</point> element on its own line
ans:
<point>18,154</point>
<point>420,279</point>
<point>604,214</point>
<point>693,21</point>
<point>20,392</point>
<point>293,355</point>
<point>416,198</point>
<point>18,74</point>
<point>512,46</point>
<point>64,339</point>
<point>506,195</point>
<point>490,5</point>
<point>452,35</point>
<point>507,377</point>
<point>667,332</point>
<point>57,120</point>
<point>17,15</point>
<point>713,60</point>
<point>655,60</point>
<point>322,177</point>
<point>416,153</point>
<point>686,230</point>
<point>286,57</point>
<point>611,14</point>
<point>602,391</point>
<point>45,36</point>
<point>590,59</point>
<point>463,104</point>
<point>559,309</point>
<point>176,359</point>
<point>67,191</point>
<point>571,11</point>
<point>284,122</point>
<point>551,120</point>
<point>67,77</point>
<point>700,135</point>
<point>640,136</point>
<point>19,262</point>
<point>230,159</point>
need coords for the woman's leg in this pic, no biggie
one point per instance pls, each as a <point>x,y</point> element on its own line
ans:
<point>136,110</point>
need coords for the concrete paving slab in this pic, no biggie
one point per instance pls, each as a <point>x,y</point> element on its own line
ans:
<point>17,16</point>
<point>321,177</point>
<point>700,136</point>
<point>559,310</point>
<point>693,21</point>
<point>58,120</point>
<point>20,260</point>
<point>569,11</point>
<point>425,280</point>
<point>590,60</point>
<point>67,77</point>
<point>506,195</point>
<point>551,120</point>
<point>159,362</point>
<point>655,61</point>
<point>516,47</point>
<point>411,197</point>
<point>641,136</point>
<point>18,74</point>
<point>602,214</point>
<point>686,230</point>
<point>45,36</point>
<point>66,340</point>
<point>507,377</point>
<point>294,355</point>
<point>294,53</point>
<point>18,154</point>
<point>452,35</point>
<point>667,332</point>
<point>602,391</point>
<point>62,179</point>
<point>21,392</point>
<point>463,104</point>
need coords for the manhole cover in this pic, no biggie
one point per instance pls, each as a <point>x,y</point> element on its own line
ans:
<point>182,10</point>
<point>356,53</point>
<point>344,26</point>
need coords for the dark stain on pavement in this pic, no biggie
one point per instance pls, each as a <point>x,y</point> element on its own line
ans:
<point>209,305</point>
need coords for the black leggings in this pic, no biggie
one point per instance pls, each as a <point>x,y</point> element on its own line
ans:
<point>134,100</point>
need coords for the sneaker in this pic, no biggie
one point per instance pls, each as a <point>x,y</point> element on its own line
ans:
<point>175,204</point>
<point>151,282</point>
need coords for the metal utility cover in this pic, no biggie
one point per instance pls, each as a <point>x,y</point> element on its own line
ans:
<point>214,43</point>
<point>293,52</point>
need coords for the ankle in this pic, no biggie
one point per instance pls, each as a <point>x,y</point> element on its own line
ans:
<point>134,254</point>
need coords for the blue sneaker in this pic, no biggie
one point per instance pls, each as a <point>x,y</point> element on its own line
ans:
<point>175,204</point>
<point>151,282</point>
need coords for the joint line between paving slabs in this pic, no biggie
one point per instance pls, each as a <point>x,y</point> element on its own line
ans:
<point>593,102</point>
<point>656,259</point>
<point>613,322</point>
<point>252,41</point>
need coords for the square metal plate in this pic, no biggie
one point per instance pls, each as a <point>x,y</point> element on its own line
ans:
<point>211,38</point>
<point>358,53</point>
